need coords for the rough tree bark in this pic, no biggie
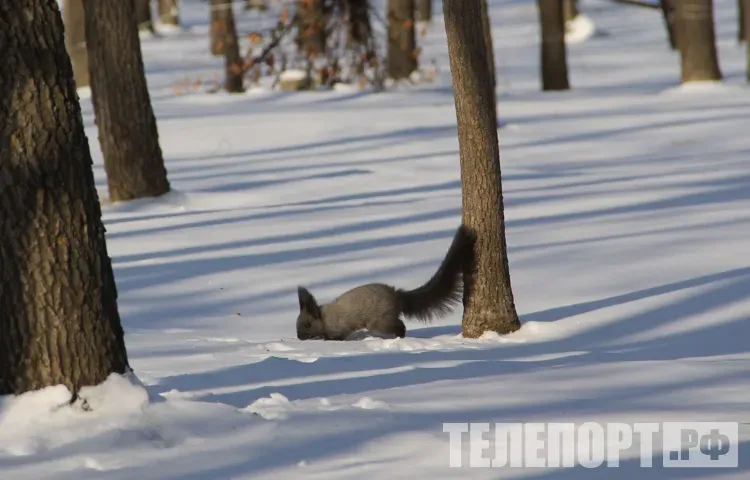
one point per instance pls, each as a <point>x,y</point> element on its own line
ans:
<point>311,29</point>
<point>488,297</point>
<point>402,43</point>
<point>226,35</point>
<point>169,12</point>
<point>259,5</point>
<point>122,106</point>
<point>59,322</point>
<point>75,40</point>
<point>424,10</point>
<point>487,31</point>
<point>553,53</point>
<point>697,41</point>
<point>570,10</point>
<point>143,15</point>
<point>667,10</point>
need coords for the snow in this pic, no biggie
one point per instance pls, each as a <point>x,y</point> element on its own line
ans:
<point>627,224</point>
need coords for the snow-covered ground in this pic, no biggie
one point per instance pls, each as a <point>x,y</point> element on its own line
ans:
<point>628,213</point>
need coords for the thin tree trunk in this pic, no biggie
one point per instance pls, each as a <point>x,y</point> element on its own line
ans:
<point>746,23</point>
<point>169,12</point>
<point>127,128</point>
<point>143,15</point>
<point>75,40</point>
<point>360,29</point>
<point>668,13</point>
<point>229,45</point>
<point>697,41</point>
<point>59,322</point>
<point>742,7</point>
<point>402,43</point>
<point>259,5</point>
<point>424,10</point>
<point>311,30</point>
<point>570,10</point>
<point>488,297</point>
<point>553,54</point>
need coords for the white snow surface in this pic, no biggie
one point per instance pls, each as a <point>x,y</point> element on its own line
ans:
<point>627,202</point>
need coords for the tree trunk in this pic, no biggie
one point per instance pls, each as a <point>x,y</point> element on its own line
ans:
<point>59,322</point>
<point>360,29</point>
<point>553,54</point>
<point>570,9</point>
<point>75,41</point>
<point>402,44</point>
<point>488,297</point>
<point>742,8</point>
<point>259,5</point>
<point>697,41</point>
<point>746,23</point>
<point>122,106</point>
<point>143,15</point>
<point>424,10</point>
<point>487,31</point>
<point>169,12</point>
<point>667,9</point>
<point>229,45</point>
<point>311,29</point>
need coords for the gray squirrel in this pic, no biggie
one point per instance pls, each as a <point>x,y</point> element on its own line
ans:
<point>377,307</point>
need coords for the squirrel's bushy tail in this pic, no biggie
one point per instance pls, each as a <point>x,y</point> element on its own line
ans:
<point>444,290</point>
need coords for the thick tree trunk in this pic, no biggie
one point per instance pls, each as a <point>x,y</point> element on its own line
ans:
<point>143,15</point>
<point>697,41</point>
<point>667,10</point>
<point>58,300</point>
<point>259,5</point>
<point>360,29</point>
<point>75,40</point>
<point>311,30</point>
<point>169,12</point>
<point>570,9</point>
<point>127,128</point>
<point>488,297</point>
<point>229,45</point>
<point>402,43</point>
<point>487,31</point>
<point>553,55</point>
<point>424,10</point>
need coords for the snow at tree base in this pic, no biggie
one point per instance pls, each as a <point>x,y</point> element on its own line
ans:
<point>628,220</point>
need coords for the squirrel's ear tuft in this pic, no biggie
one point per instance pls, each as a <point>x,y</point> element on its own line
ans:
<point>307,302</point>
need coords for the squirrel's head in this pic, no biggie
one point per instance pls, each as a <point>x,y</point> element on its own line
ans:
<point>310,321</point>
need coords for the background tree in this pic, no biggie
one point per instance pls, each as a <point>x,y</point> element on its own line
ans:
<point>402,43</point>
<point>75,40</point>
<point>226,35</point>
<point>424,10</point>
<point>143,15</point>
<point>694,20</point>
<point>488,297</point>
<point>359,26</point>
<point>741,27</point>
<point>746,24</point>
<point>312,18</point>
<point>59,322</point>
<point>667,9</point>
<point>122,105</point>
<point>259,5</point>
<point>169,12</point>
<point>553,54</point>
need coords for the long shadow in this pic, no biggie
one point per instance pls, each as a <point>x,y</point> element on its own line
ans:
<point>707,341</point>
